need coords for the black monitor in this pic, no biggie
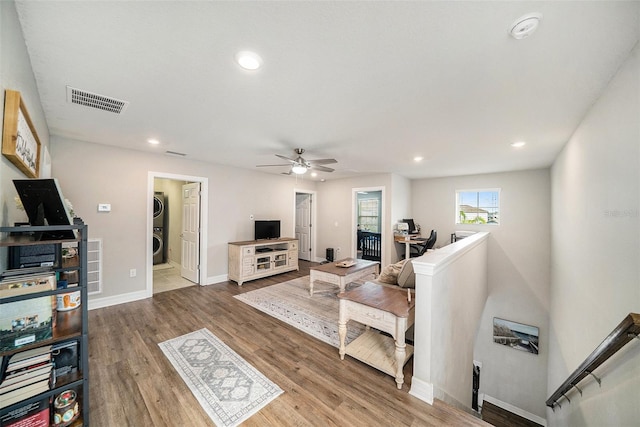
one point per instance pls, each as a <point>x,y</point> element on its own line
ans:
<point>44,204</point>
<point>412,225</point>
<point>267,229</point>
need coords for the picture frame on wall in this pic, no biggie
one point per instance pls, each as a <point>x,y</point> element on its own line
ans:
<point>516,335</point>
<point>20,142</point>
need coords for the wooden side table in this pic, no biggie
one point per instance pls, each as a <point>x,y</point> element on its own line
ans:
<point>340,276</point>
<point>387,310</point>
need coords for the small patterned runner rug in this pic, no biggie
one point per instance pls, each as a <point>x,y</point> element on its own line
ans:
<point>228,388</point>
<point>291,303</point>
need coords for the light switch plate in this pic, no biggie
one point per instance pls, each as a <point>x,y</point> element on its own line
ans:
<point>104,207</point>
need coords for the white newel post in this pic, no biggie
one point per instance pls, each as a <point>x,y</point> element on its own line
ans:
<point>451,291</point>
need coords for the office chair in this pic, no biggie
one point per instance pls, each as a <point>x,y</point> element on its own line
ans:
<point>421,248</point>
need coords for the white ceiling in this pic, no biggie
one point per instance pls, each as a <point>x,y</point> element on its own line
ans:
<point>371,84</point>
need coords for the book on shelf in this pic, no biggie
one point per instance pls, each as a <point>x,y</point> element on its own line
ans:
<point>27,354</point>
<point>27,363</point>
<point>26,321</point>
<point>24,271</point>
<point>27,375</point>
<point>9,386</point>
<point>34,414</point>
<point>26,366</point>
<point>22,393</point>
<point>26,284</point>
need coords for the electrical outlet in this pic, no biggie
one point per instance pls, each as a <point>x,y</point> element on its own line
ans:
<point>133,272</point>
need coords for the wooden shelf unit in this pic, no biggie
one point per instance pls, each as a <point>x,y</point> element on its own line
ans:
<point>254,259</point>
<point>71,325</point>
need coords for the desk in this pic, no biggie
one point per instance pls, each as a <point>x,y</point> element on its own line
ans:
<point>408,241</point>
<point>341,276</point>
<point>387,310</point>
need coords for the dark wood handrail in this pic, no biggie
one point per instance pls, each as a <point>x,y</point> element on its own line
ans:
<point>627,330</point>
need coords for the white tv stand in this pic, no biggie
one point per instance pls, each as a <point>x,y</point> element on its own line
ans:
<point>254,259</point>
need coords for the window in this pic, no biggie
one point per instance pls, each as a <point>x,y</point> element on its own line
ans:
<point>369,215</point>
<point>478,206</point>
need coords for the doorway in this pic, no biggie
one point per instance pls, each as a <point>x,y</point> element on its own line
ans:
<point>368,224</point>
<point>181,259</point>
<point>304,220</point>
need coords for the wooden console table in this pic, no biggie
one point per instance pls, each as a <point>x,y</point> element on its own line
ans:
<point>253,259</point>
<point>387,310</point>
<point>340,276</point>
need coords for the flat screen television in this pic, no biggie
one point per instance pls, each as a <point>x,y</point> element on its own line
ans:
<point>267,229</point>
<point>44,204</point>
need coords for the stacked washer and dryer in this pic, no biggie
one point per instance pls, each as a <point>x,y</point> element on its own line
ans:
<point>159,228</point>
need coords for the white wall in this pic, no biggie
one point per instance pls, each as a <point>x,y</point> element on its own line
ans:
<point>596,255</point>
<point>91,173</point>
<point>16,74</point>
<point>518,274</point>
<point>336,214</point>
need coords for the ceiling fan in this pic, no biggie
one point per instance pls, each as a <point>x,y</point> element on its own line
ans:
<point>299,165</point>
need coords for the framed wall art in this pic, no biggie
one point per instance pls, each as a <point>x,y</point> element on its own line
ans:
<point>20,142</point>
<point>515,335</point>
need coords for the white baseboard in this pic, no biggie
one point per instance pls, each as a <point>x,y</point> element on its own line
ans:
<point>217,279</point>
<point>118,299</point>
<point>514,409</point>
<point>422,390</point>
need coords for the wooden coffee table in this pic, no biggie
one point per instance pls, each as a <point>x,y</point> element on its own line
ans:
<point>340,276</point>
<point>384,309</point>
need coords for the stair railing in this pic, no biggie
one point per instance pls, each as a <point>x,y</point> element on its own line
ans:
<point>626,331</point>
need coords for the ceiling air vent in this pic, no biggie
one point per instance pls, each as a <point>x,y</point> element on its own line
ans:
<point>174,153</point>
<point>101,102</point>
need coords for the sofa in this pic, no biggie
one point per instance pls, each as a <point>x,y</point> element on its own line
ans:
<point>397,275</point>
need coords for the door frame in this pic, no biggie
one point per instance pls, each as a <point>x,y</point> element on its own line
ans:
<point>383,222</point>
<point>314,221</point>
<point>204,208</point>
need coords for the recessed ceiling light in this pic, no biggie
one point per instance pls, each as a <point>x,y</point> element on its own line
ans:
<point>153,141</point>
<point>314,174</point>
<point>418,158</point>
<point>518,144</point>
<point>525,25</point>
<point>248,60</point>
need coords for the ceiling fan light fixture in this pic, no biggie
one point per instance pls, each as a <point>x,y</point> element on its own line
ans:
<point>298,169</point>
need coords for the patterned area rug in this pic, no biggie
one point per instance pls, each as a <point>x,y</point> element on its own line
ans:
<point>316,315</point>
<point>228,388</point>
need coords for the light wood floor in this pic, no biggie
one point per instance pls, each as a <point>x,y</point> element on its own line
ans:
<point>133,384</point>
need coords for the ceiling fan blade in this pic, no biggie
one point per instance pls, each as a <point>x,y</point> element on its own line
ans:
<point>286,158</point>
<point>262,166</point>
<point>322,161</point>
<point>321,168</point>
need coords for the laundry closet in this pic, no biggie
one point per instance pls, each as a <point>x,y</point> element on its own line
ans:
<point>167,220</point>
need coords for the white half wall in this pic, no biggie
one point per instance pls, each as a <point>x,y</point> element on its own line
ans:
<point>451,290</point>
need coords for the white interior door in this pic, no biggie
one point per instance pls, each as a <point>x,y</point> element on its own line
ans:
<point>303,225</point>
<point>190,234</point>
